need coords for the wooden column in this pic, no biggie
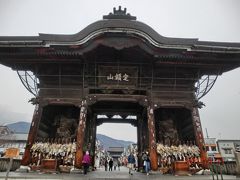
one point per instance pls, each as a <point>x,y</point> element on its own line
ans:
<point>87,135</point>
<point>32,134</point>
<point>199,136</point>
<point>81,135</point>
<point>139,141</point>
<point>152,139</point>
<point>145,139</point>
<point>93,140</point>
<point>91,135</point>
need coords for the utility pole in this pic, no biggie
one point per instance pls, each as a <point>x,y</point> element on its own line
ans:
<point>206,133</point>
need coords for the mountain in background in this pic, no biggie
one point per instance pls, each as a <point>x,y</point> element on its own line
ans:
<point>19,127</point>
<point>106,142</point>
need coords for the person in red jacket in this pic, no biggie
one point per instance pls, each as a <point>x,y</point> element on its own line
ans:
<point>86,162</point>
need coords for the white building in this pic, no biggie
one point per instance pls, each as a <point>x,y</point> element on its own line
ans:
<point>212,149</point>
<point>8,139</point>
<point>227,148</point>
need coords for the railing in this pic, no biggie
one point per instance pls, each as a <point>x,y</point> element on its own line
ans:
<point>4,164</point>
<point>229,168</point>
<point>218,169</point>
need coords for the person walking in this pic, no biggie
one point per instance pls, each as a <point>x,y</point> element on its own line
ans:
<point>115,164</point>
<point>146,162</point>
<point>110,164</point>
<point>106,164</point>
<point>86,162</point>
<point>131,162</point>
<point>97,162</point>
<point>119,164</point>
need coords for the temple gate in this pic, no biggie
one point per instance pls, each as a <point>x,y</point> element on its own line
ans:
<point>116,66</point>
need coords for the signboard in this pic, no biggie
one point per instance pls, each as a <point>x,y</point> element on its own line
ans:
<point>117,76</point>
<point>11,152</point>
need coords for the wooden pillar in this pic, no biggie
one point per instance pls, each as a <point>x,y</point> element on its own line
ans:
<point>32,134</point>
<point>152,139</point>
<point>93,140</point>
<point>139,141</point>
<point>81,135</point>
<point>144,133</point>
<point>199,136</point>
<point>87,134</point>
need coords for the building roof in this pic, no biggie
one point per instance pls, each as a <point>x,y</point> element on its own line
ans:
<point>5,130</point>
<point>119,31</point>
<point>119,22</point>
<point>228,140</point>
<point>115,149</point>
<point>15,137</point>
<point>210,141</point>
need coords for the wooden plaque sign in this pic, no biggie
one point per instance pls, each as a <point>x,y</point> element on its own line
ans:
<point>117,76</point>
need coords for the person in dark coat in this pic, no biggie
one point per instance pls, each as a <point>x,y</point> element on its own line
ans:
<point>131,162</point>
<point>110,164</point>
<point>146,162</point>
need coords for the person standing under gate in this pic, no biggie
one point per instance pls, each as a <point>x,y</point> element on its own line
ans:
<point>115,164</point>
<point>106,164</point>
<point>110,164</point>
<point>146,162</point>
<point>86,162</point>
<point>131,162</point>
<point>119,164</point>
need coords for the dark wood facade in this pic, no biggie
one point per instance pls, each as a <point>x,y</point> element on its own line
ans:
<point>117,66</point>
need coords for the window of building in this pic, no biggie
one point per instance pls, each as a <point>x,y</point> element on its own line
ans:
<point>237,147</point>
<point>227,151</point>
<point>214,148</point>
<point>207,148</point>
<point>22,145</point>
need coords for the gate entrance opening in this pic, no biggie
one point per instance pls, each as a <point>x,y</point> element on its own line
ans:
<point>115,141</point>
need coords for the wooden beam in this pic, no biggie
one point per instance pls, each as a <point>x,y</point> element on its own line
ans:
<point>114,111</point>
<point>112,120</point>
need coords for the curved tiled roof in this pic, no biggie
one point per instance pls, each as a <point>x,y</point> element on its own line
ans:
<point>126,25</point>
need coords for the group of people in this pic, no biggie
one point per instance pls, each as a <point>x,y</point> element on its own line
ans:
<point>146,163</point>
<point>110,164</point>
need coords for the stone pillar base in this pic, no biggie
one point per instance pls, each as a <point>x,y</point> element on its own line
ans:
<point>23,169</point>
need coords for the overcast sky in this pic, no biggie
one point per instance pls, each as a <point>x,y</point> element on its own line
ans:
<point>210,20</point>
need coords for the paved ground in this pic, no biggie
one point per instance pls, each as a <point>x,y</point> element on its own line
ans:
<point>100,174</point>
